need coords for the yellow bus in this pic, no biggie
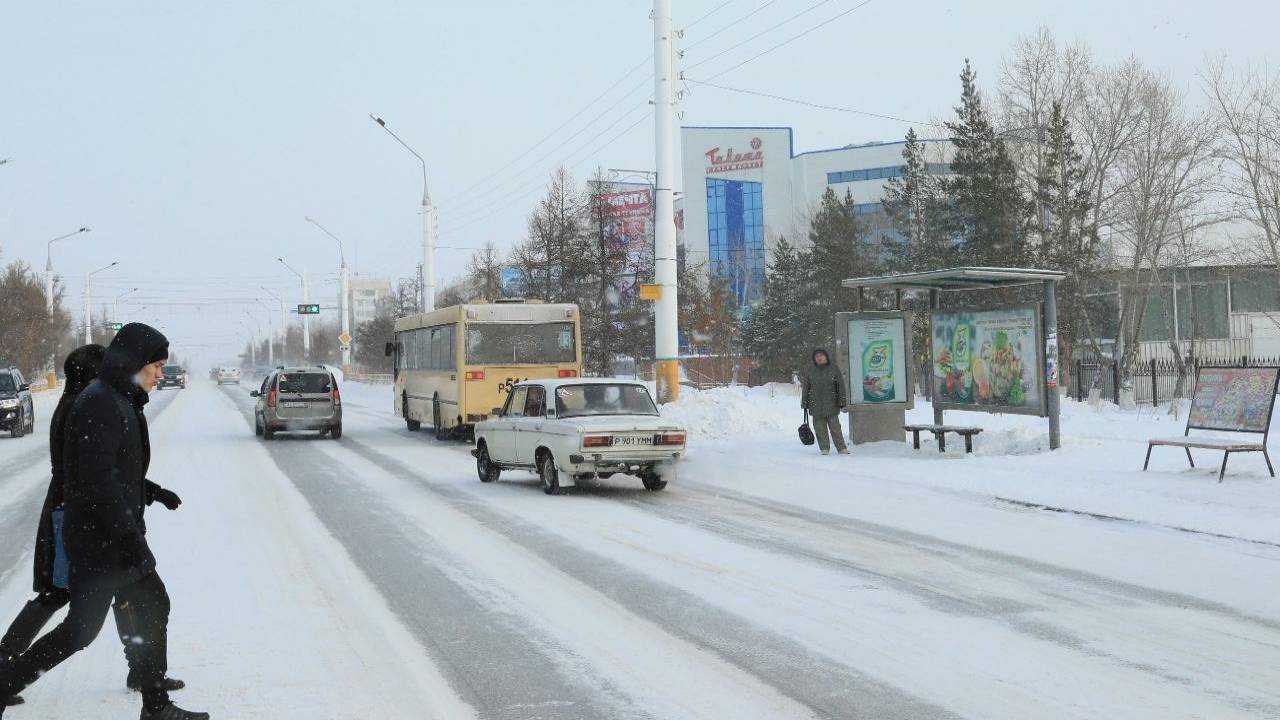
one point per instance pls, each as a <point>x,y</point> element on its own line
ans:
<point>453,366</point>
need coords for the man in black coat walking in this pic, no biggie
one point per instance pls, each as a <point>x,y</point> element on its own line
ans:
<point>105,459</point>
<point>51,568</point>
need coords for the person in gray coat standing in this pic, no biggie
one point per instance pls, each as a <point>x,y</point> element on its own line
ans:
<point>823,396</point>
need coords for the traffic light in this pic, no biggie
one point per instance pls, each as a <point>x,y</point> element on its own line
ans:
<point>115,327</point>
<point>309,309</point>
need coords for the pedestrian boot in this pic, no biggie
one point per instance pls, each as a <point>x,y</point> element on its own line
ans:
<point>844,451</point>
<point>168,684</point>
<point>172,712</point>
<point>15,700</point>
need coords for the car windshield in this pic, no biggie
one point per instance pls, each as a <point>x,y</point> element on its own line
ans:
<point>499,343</point>
<point>604,399</point>
<point>6,383</point>
<point>303,383</point>
<point>172,369</point>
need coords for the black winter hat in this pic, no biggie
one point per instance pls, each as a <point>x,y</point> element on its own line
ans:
<point>824,352</point>
<point>134,346</point>
<point>82,365</point>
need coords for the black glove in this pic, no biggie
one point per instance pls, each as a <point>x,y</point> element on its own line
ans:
<point>168,498</point>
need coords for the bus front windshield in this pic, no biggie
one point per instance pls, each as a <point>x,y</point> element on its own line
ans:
<point>520,343</point>
<point>603,399</point>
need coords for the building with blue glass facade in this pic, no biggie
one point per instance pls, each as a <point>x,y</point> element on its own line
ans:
<point>744,187</point>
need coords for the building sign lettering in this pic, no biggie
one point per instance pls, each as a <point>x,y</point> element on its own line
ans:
<point>726,161</point>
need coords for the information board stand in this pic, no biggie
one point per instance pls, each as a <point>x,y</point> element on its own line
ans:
<point>874,355</point>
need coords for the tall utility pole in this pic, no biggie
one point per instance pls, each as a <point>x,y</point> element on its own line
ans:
<point>346,292</point>
<point>428,301</point>
<point>115,305</point>
<point>666,318</point>
<point>52,373</point>
<point>271,333</point>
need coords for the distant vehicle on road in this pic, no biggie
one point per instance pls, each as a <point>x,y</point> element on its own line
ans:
<point>454,365</point>
<point>228,376</point>
<point>576,429</point>
<point>298,399</point>
<point>173,376</point>
<point>17,412</point>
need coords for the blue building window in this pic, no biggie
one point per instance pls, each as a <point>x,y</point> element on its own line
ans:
<point>735,235</point>
<point>882,173</point>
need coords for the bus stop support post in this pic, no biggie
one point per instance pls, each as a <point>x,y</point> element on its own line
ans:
<point>1052,399</point>
<point>935,302</point>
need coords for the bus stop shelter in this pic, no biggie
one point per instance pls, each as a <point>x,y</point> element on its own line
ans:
<point>985,278</point>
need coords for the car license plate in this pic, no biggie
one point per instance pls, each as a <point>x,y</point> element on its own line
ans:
<point>631,440</point>
<point>295,404</point>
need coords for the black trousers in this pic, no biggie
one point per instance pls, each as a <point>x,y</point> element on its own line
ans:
<point>142,619</point>
<point>38,612</point>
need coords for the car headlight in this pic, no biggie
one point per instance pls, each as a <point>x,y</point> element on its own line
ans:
<point>6,404</point>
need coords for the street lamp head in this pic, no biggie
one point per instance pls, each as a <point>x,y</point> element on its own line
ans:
<point>377,119</point>
<point>83,229</point>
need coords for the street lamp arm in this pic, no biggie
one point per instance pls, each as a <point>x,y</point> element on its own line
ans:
<point>426,196</point>
<point>342,253</point>
<point>295,272</point>
<point>48,255</point>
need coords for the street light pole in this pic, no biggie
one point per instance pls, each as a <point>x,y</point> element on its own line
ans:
<point>271,340</point>
<point>346,292</point>
<point>306,319</point>
<point>51,374</point>
<point>88,312</point>
<point>284,321</point>
<point>115,305</point>
<point>666,317</point>
<point>428,227</point>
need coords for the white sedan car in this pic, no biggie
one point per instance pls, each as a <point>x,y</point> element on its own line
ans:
<point>577,428</point>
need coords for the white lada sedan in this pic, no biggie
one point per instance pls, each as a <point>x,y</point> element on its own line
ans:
<point>578,428</point>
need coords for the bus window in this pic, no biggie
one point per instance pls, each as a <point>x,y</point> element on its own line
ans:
<point>503,343</point>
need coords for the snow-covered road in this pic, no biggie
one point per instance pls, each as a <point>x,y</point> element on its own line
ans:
<point>375,577</point>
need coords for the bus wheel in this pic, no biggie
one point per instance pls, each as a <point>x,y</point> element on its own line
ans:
<point>413,425</point>
<point>548,474</point>
<point>484,465</point>
<point>436,420</point>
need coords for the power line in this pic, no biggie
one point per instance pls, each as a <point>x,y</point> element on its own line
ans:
<point>727,25</point>
<point>705,15</point>
<point>558,128</point>
<point>819,106</point>
<point>758,35</point>
<point>789,40</point>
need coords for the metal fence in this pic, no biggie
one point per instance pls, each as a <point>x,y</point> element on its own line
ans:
<point>1154,380</point>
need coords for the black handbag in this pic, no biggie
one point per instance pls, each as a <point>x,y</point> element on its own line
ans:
<point>806,432</point>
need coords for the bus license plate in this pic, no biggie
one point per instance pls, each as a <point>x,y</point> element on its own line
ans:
<point>625,440</point>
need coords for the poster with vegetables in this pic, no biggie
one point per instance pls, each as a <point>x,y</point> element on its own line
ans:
<point>878,361</point>
<point>988,359</point>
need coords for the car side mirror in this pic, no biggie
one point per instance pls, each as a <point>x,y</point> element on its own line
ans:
<point>24,387</point>
<point>497,412</point>
<point>390,349</point>
<point>254,393</point>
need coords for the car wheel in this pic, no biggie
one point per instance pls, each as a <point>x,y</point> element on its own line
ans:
<point>548,474</point>
<point>267,432</point>
<point>437,419</point>
<point>413,425</point>
<point>335,432</point>
<point>652,481</point>
<point>257,425</point>
<point>31,420</point>
<point>19,425</point>
<point>485,468</point>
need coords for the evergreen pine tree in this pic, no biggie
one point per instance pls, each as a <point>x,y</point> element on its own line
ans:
<point>773,332</point>
<point>986,211</point>
<point>839,250</point>
<point>912,204</point>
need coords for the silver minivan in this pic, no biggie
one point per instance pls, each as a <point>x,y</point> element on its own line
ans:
<point>298,399</point>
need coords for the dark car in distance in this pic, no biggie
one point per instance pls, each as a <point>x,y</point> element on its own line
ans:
<point>174,376</point>
<point>17,413</point>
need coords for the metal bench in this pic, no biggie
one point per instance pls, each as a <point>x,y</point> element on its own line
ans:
<point>1238,400</point>
<point>940,433</point>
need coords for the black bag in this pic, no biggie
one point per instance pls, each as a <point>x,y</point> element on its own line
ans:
<point>806,432</point>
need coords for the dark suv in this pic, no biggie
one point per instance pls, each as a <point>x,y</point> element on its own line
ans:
<point>174,376</point>
<point>17,413</point>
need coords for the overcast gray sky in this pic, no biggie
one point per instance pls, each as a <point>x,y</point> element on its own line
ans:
<point>194,137</point>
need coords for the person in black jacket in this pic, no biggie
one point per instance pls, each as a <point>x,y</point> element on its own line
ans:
<point>51,567</point>
<point>105,459</point>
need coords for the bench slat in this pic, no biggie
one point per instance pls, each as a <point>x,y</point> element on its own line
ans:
<point>1209,444</point>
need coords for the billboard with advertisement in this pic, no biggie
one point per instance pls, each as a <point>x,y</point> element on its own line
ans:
<point>877,359</point>
<point>629,223</point>
<point>988,360</point>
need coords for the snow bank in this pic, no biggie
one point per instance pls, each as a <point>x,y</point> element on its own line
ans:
<point>729,411</point>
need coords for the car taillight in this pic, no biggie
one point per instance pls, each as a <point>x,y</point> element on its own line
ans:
<point>476,375</point>
<point>671,439</point>
<point>271,398</point>
<point>568,373</point>
<point>337,396</point>
<point>597,441</point>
